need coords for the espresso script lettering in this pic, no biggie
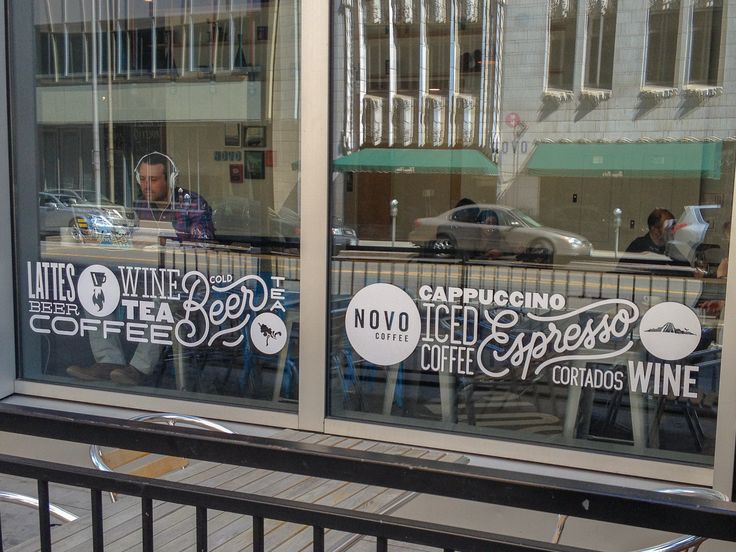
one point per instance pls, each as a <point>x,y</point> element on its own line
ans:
<point>559,342</point>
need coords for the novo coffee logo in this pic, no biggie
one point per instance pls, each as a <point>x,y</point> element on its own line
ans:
<point>98,290</point>
<point>670,331</point>
<point>382,323</point>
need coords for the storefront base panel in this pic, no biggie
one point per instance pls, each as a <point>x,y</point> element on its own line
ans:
<point>155,404</point>
<point>549,461</point>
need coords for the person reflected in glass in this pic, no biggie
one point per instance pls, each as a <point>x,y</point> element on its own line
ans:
<point>495,245</point>
<point>714,307</point>
<point>661,223</point>
<point>652,248</point>
<point>160,200</point>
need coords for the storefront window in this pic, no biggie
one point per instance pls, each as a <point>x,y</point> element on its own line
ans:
<point>546,272</point>
<point>157,204</point>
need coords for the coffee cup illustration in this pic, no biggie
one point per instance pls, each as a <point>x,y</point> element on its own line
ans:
<point>98,290</point>
<point>98,278</point>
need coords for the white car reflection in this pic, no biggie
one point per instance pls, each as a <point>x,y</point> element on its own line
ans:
<point>83,219</point>
<point>497,231</point>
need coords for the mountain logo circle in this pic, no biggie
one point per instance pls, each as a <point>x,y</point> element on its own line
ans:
<point>670,331</point>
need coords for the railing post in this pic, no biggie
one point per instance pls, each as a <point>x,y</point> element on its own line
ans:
<point>147,523</point>
<point>318,541</point>
<point>44,518</point>
<point>258,536</point>
<point>201,529</point>
<point>97,531</point>
<point>1,535</point>
<point>381,544</point>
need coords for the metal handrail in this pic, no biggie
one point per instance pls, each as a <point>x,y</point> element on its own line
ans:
<point>23,500</point>
<point>260,508</point>
<point>167,418</point>
<point>685,542</point>
<point>583,499</point>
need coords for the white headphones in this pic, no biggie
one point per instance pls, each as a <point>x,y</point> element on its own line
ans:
<point>172,173</point>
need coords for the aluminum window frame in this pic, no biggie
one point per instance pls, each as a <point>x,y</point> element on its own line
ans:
<point>315,258</point>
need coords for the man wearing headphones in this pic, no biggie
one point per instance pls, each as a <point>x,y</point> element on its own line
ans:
<point>162,200</point>
<point>191,217</point>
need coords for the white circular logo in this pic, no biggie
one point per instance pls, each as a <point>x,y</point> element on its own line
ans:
<point>98,290</point>
<point>268,333</point>
<point>383,324</point>
<point>670,331</point>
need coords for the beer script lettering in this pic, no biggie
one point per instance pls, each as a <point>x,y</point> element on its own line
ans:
<point>237,304</point>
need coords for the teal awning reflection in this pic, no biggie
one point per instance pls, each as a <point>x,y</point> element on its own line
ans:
<point>647,160</point>
<point>416,161</point>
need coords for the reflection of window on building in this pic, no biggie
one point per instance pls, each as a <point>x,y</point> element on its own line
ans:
<point>471,57</point>
<point>664,25</point>
<point>407,58</point>
<point>705,45</point>
<point>48,53</point>
<point>195,46</point>
<point>438,38</point>
<point>561,61</point>
<point>378,58</point>
<point>600,45</point>
<point>76,53</point>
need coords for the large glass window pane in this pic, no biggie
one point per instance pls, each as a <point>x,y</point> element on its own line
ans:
<point>705,46</point>
<point>600,47</point>
<point>562,38</point>
<point>664,27</point>
<point>524,271</point>
<point>159,230</point>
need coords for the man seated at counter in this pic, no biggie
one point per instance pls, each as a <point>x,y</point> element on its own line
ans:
<point>661,224</point>
<point>160,200</point>
<point>652,248</point>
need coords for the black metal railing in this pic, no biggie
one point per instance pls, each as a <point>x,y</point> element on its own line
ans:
<point>581,499</point>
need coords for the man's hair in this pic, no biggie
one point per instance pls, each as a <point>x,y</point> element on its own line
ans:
<point>657,216</point>
<point>157,159</point>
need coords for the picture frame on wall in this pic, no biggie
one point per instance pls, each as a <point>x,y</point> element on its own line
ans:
<point>236,173</point>
<point>255,167</point>
<point>254,137</point>
<point>232,135</point>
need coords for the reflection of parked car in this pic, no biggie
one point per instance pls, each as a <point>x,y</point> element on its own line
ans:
<point>497,231</point>
<point>243,218</point>
<point>84,218</point>
<point>287,223</point>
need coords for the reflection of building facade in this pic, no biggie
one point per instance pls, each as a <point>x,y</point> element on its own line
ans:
<point>624,104</point>
<point>419,76</point>
<point>424,75</point>
<point>171,79</point>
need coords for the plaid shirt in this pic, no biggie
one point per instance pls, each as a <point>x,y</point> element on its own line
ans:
<point>190,215</point>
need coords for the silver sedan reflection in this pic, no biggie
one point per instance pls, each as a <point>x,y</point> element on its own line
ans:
<point>497,231</point>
